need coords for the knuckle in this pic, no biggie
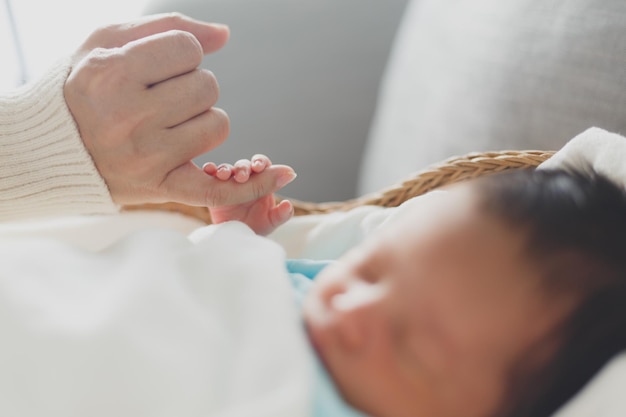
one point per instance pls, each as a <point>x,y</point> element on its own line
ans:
<point>206,88</point>
<point>187,45</point>
<point>111,35</point>
<point>99,73</point>
<point>222,123</point>
<point>217,129</point>
<point>209,82</point>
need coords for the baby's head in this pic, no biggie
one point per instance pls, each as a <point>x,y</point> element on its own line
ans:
<point>499,297</point>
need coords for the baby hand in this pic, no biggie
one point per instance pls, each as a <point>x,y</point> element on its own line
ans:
<point>262,215</point>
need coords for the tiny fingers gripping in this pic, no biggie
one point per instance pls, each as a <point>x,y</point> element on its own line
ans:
<point>210,168</point>
<point>281,213</point>
<point>260,162</point>
<point>221,172</point>
<point>224,172</point>
<point>242,170</point>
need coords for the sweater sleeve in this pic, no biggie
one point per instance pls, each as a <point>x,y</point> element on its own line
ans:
<point>45,169</point>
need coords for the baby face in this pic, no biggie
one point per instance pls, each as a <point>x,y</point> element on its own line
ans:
<point>428,317</point>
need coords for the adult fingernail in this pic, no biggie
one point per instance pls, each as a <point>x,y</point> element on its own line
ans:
<point>221,26</point>
<point>285,179</point>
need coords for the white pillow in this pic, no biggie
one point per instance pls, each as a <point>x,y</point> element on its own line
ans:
<point>604,396</point>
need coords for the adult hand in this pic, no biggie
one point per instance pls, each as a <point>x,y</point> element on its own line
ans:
<point>144,110</point>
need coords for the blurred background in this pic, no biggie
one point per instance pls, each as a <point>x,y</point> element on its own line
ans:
<point>43,31</point>
<point>299,79</point>
<point>358,94</point>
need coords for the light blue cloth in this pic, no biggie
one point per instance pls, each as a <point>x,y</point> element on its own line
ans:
<point>327,402</point>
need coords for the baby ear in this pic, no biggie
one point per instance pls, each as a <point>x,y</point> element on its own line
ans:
<point>362,330</point>
<point>353,337</point>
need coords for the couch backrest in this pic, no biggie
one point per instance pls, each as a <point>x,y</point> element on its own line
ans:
<point>492,75</point>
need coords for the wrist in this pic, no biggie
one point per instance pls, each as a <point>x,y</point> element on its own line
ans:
<point>46,169</point>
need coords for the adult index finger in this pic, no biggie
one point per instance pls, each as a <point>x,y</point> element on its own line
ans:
<point>162,56</point>
<point>212,36</point>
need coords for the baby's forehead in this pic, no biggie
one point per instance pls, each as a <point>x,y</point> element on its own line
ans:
<point>458,203</point>
<point>452,223</point>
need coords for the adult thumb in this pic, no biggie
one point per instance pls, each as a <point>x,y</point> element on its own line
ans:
<point>212,36</point>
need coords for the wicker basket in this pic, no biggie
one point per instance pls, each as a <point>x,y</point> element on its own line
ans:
<point>447,172</point>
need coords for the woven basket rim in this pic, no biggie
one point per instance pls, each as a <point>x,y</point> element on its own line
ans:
<point>447,172</point>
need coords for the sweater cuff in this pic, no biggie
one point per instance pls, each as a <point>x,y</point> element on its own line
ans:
<point>45,169</point>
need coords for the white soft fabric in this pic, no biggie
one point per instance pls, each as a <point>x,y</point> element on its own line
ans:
<point>604,396</point>
<point>96,232</point>
<point>595,148</point>
<point>328,236</point>
<point>153,325</point>
<point>151,300</point>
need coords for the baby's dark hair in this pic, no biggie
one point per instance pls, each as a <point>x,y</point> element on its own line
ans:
<point>576,225</point>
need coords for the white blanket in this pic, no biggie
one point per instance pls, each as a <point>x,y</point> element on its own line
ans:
<point>595,148</point>
<point>150,341</point>
<point>153,325</point>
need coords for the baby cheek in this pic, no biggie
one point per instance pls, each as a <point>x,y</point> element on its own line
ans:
<point>423,341</point>
<point>460,381</point>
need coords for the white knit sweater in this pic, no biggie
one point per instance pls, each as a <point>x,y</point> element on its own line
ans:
<point>44,168</point>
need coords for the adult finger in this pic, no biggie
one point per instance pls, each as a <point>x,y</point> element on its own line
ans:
<point>190,185</point>
<point>162,56</point>
<point>194,137</point>
<point>212,36</point>
<point>182,98</point>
